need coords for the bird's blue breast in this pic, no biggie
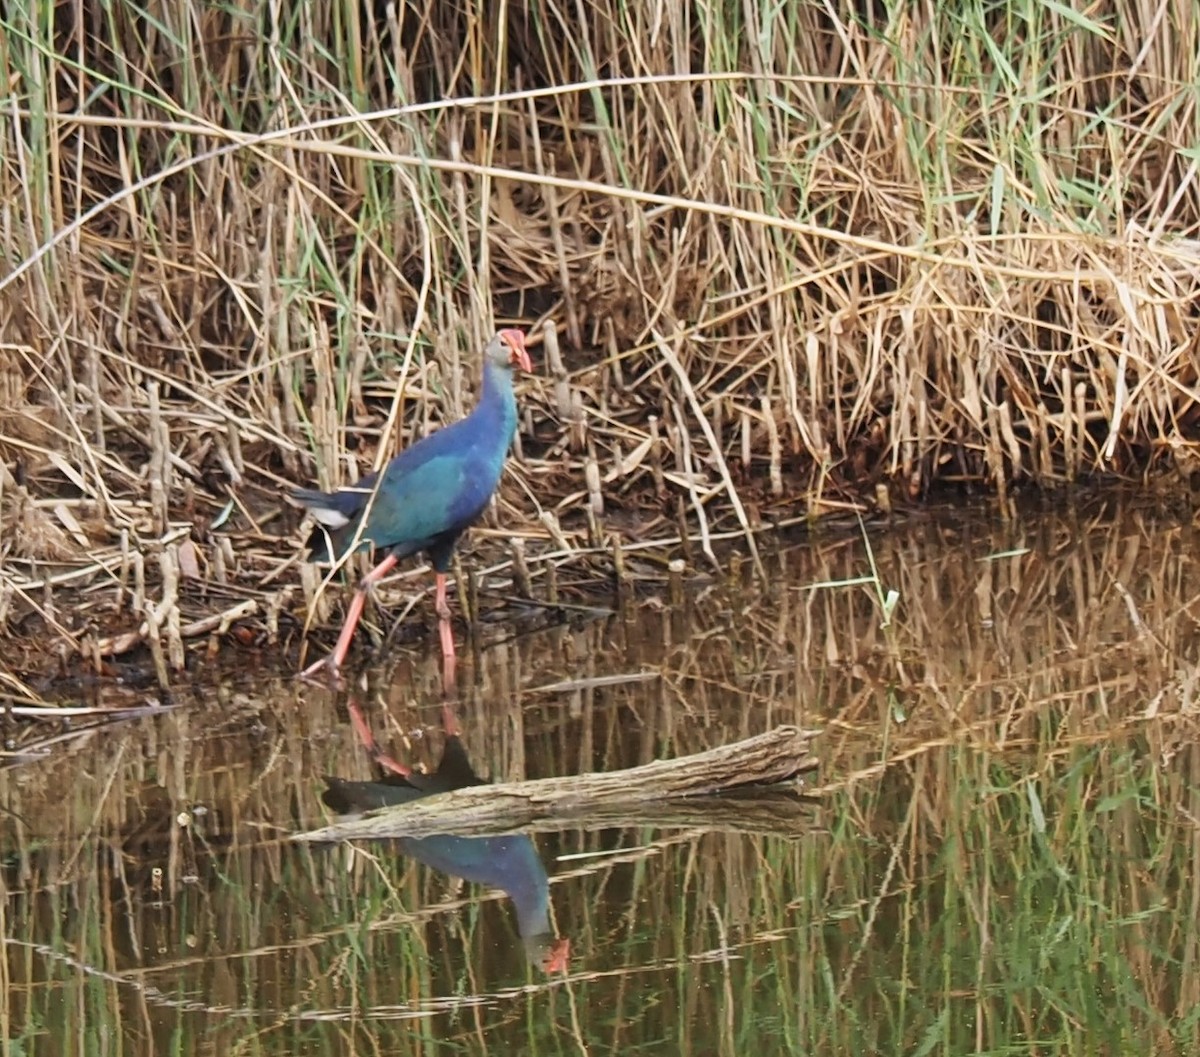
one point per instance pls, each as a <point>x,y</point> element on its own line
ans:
<point>440,485</point>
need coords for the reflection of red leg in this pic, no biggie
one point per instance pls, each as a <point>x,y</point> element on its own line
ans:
<point>370,744</point>
<point>334,661</point>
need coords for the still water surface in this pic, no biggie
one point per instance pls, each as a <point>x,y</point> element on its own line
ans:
<point>1003,859</point>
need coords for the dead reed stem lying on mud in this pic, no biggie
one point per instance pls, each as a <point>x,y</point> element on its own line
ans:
<point>645,793</point>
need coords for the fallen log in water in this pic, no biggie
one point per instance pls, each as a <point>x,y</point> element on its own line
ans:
<point>651,794</point>
<point>776,811</point>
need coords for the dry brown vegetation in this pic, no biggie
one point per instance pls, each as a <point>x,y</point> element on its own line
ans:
<point>793,256</point>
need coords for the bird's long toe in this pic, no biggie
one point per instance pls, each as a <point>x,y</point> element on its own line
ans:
<point>367,739</point>
<point>324,670</point>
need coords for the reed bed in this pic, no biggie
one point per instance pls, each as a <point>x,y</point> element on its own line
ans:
<point>781,260</point>
<point>1003,850</point>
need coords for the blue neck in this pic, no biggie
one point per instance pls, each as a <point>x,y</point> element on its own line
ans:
<point>497,398</point>
<point>532,902</point>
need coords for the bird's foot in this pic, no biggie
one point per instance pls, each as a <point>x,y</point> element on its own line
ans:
<point>325,670</point>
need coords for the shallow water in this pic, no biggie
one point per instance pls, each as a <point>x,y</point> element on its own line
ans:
<point>1004,857</point>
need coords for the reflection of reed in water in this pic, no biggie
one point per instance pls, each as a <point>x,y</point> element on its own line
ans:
<point>1001,835</point>
<point>510,863</point>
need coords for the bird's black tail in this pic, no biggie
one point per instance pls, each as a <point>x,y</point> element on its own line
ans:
<point>348,797</point>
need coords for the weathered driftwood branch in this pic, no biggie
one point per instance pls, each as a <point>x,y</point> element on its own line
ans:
<point>778,811</point>
<point>643,794</point>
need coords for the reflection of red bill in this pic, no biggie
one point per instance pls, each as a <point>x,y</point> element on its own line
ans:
<point>558,957</point>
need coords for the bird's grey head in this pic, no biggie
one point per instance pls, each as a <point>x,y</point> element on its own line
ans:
<point>507,349</point>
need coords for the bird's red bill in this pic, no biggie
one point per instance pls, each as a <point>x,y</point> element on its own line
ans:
<point>519,355</point>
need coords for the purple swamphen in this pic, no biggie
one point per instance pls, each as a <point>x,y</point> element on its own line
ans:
<point>510,863</point>
<point>427,497</point>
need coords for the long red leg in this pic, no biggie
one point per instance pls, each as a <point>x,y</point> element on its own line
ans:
<point>370,744</point>
<point>440,603</point>
<point>447,634</point>
<point>334,661</point>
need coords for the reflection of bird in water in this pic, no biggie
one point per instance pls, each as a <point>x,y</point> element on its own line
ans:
<point>510,863</point>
